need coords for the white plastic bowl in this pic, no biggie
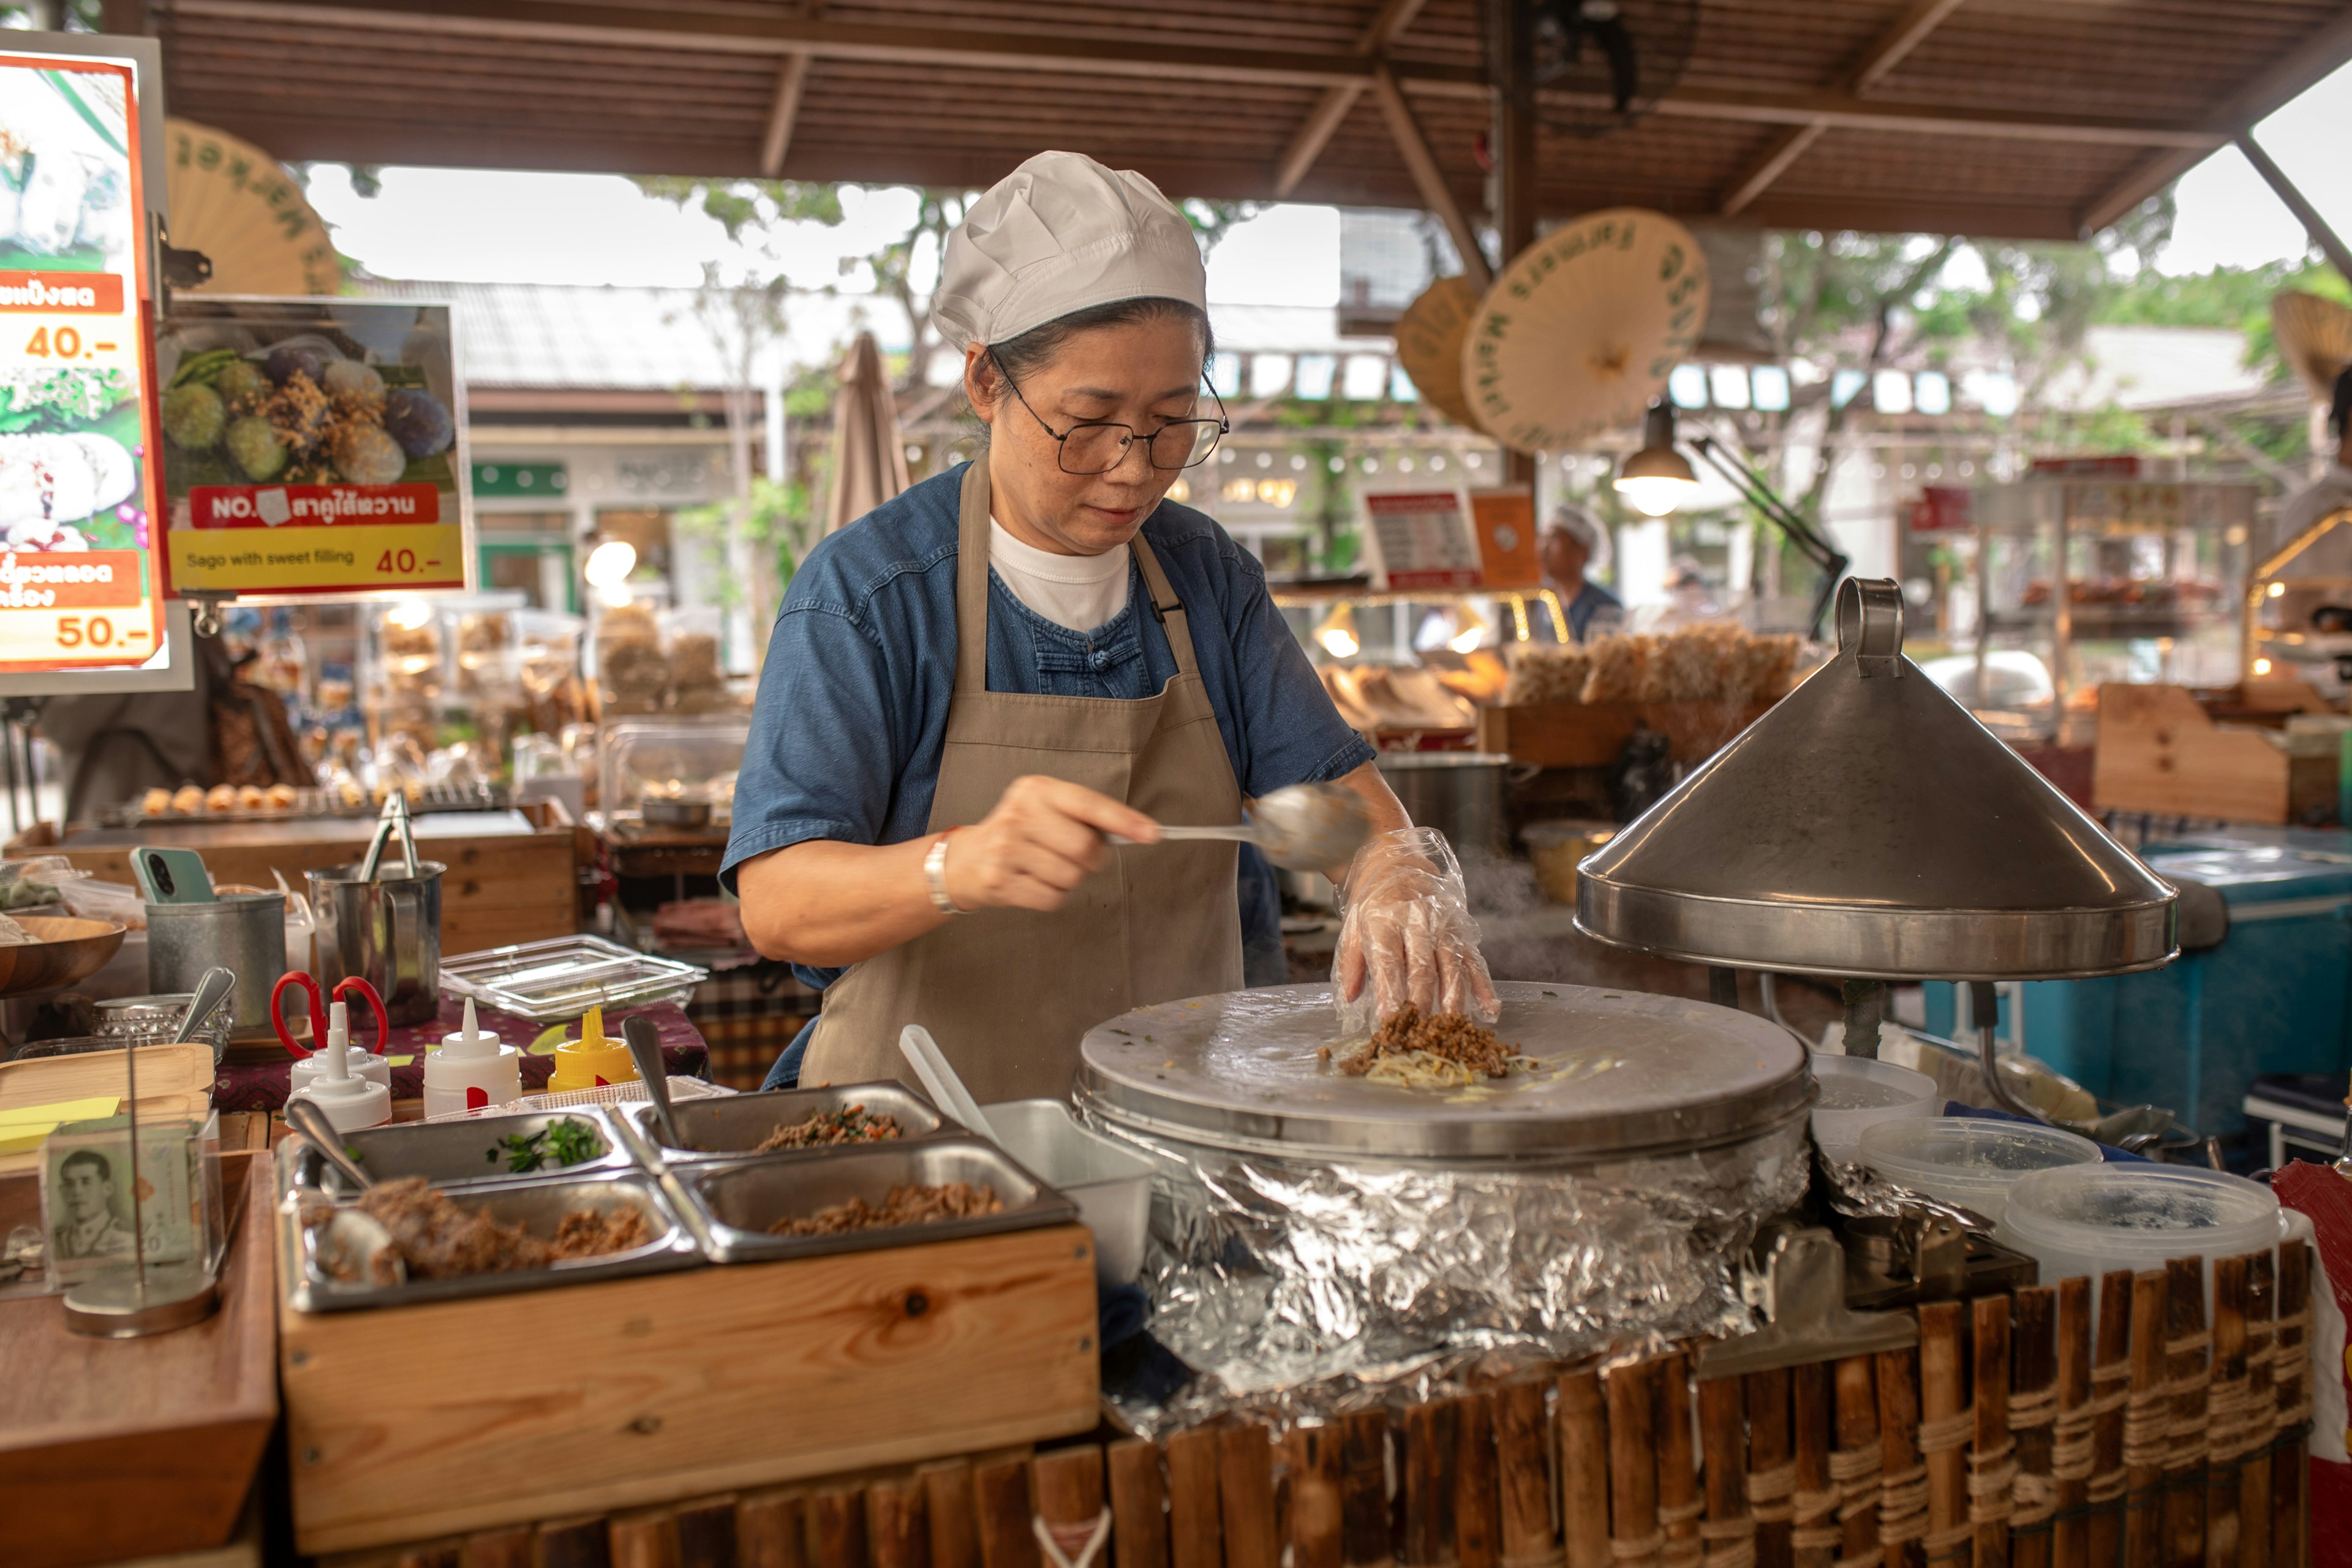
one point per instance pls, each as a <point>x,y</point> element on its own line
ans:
<point>1858,1092</point>
<point>2093,1219</point>
<point>1971,1160</point>
<point>1111,1187</point>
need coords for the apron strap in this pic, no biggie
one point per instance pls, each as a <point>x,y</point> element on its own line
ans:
<point>971,589</point>
<point>971,580</point>
<point>1166,607</point>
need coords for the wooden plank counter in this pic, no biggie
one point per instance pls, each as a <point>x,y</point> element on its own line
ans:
<point>511,878</point>
<point>414,1422</point>
<point>130,1448</point>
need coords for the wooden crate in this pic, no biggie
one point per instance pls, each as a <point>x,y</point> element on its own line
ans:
<point>1590,734</point>
<point>430,1420</point>
<point>115,1449</point>
<point>500,888</point>
<point>2160,752</point>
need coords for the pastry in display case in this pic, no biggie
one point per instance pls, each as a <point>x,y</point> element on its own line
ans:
<point>670,775</point>
<point>632,671</point>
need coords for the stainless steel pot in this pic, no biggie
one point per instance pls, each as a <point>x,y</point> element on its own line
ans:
<point>242,931</point>
<point>387,931</point>
<point>1460,793</point>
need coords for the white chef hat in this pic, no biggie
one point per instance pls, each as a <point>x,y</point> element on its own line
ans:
<point>1059,234</point>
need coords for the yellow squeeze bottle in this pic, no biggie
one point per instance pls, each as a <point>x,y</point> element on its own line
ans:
<point>592,1059</point>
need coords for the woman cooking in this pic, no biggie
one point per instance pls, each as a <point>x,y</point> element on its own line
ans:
<point>971,690</point>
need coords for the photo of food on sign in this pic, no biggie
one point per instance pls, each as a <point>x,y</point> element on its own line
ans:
<point>311,446</point>
<point>70,474</point>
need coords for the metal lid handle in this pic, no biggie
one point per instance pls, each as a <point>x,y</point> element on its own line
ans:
<point>1869,624</point>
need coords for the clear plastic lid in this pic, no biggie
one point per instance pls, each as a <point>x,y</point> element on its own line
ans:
<point>1973,1151</point>
<point>561,978</point>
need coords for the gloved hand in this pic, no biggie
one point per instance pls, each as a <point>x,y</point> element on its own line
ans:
<point>1406,934</point>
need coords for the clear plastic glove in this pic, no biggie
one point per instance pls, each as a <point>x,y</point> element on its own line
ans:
<point>1406,934</point>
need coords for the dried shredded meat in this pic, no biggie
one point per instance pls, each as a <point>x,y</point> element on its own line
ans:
<point>845,1125</point>
<point>1447,1036</point>
<point>909,1203</point>
<point>437,1240</point>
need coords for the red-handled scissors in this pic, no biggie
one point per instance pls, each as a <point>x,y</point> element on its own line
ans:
<point>319,1010</point>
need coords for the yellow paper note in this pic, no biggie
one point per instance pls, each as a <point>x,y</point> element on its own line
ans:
<point>24,1137</point>
<point>57,1110</point>
<point>400,1061</point>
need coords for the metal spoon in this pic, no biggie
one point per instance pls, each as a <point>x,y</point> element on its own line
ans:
<point>305,1117</point>
<point>212,988</point>
<point>1301,827</point>
<point>644,1049</point>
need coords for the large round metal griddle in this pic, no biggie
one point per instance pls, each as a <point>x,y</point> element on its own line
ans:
<point>1619,1073</point>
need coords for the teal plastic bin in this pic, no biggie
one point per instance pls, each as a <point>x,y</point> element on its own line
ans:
<point>2273,997</point>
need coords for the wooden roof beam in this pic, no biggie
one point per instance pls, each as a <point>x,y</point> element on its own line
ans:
<point>1330,111</point>
<point>1428,177</point>
<point>1909,31</point>
<point>519,22</point>
<point>791,77</point>
<point>2287,78</point>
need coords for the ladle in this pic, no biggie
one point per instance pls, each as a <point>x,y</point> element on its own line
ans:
<point>309,1119</point>
<point>1299,828</point>
<point>353,1245</point>
<point>212,988</point>
<point>940,1080</point>
<point>644,1049</point>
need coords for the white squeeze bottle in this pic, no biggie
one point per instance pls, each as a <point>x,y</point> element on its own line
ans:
<point>349,1102</point>
<point>471,1070</point>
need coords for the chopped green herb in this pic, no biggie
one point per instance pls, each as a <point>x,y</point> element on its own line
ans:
<point>1551,992</point>
<point>567,1142</point>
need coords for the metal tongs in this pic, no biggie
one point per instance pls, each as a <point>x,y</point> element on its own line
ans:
<point>393,819</point>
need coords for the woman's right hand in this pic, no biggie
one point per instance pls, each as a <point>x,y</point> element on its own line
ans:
<point>1044,836</point>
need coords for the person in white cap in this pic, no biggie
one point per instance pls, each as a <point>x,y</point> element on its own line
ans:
<point>973,688</point>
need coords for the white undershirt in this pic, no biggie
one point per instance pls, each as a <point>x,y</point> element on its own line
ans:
<point>1080,592</point>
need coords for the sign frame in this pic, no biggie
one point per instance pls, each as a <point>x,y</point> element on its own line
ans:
<point>1436,579</point>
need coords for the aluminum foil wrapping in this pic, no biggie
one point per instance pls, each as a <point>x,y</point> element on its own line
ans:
<point>1298,1284</point>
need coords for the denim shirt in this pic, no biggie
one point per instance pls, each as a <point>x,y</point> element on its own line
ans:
<point>852,713</point>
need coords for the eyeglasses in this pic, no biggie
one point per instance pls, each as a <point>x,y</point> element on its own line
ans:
<point>1097,446</point>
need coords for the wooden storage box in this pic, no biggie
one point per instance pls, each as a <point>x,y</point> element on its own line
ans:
<point>2160,752</point>
<point>414,1422</point>
<point>1590,734</point>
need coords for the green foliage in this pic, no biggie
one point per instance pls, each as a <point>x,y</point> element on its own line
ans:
<point>780,521</point>
<point>2234,296</point>
<point>742,205</point>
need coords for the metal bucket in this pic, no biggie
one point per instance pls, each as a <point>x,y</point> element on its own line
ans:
<point>387,931</point>
<point>1460,793</point>
<point>242,931</point>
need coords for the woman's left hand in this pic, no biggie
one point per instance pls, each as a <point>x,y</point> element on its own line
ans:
<point>1408,936</point>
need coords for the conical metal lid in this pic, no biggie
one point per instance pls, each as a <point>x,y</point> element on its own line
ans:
<point>1868,825</point>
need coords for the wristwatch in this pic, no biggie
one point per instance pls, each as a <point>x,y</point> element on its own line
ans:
<point>935,874</point>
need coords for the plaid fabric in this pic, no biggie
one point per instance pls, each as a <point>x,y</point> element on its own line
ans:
<point>747,1015</point>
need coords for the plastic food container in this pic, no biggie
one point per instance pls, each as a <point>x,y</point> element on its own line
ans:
<point>1969,1160</point>
<point>1111,1187</point>
<point>2092,1220</point>
<point>1858,1092</point>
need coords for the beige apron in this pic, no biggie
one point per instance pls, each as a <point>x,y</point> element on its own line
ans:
<point>1008,993</point>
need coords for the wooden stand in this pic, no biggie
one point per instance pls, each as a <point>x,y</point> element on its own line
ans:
<point>2160,752</point>
<point>1590,734</point>
<point>420,1420</point>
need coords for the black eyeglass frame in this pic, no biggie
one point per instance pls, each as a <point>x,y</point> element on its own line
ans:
<point>1224,423</point>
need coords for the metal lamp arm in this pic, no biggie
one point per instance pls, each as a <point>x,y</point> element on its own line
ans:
<point>1831,560</point>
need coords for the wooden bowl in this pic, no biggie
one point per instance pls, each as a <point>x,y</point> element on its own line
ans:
<point>66,950</point>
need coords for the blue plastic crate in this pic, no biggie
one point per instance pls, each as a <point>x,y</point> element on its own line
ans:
<point>2273,997</point>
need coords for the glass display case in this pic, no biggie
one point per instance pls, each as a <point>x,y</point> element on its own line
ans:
<point>2298,610</point>
<point>2103,579</point>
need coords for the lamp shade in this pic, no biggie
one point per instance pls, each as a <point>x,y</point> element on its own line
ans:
<point>1868,826</point>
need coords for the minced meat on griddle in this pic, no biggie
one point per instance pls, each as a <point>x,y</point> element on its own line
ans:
<point>908,1202</point>
<point>843,1124</point>
<point>1450,1036</point>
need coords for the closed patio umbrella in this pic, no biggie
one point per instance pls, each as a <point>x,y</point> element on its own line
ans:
<point>869,463</point>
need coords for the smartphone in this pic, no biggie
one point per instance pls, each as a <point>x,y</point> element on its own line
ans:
<point>171,875</point>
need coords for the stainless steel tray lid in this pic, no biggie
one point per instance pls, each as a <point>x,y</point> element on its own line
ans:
<point>1623,1072</point>
<point>1869,826</point>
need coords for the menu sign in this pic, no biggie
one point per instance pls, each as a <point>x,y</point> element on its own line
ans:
<point>1420,540</point>
<point>313,447</point>
<point>79,586</point>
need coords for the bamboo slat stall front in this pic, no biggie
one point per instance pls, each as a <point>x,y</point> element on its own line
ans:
<point>2013,1437</point>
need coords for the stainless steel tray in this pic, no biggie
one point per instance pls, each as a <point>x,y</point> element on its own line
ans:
<point>728,1125</point>
<point>453,1154</point>
<point>732,1203</point>
<point>537,1206</point>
